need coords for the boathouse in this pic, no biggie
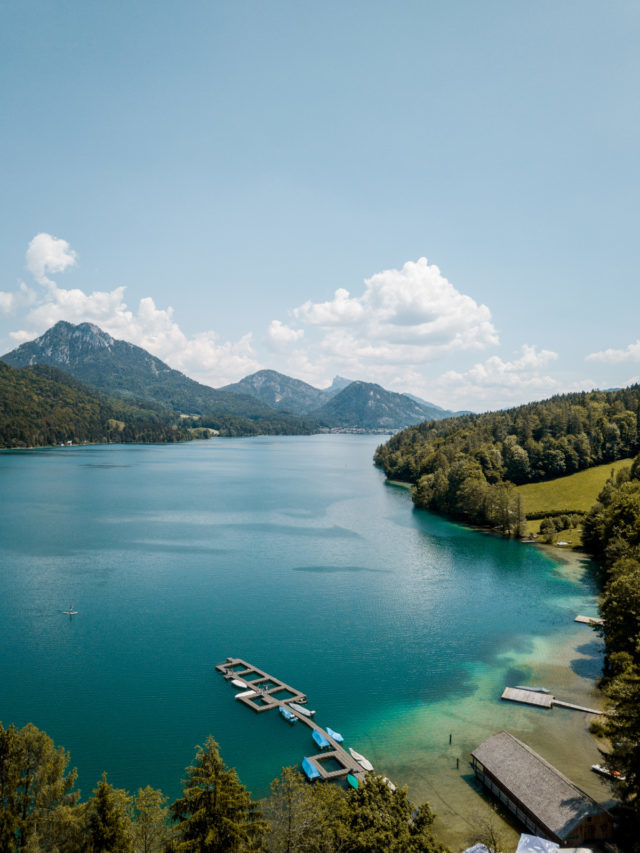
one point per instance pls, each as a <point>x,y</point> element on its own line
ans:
<point>547,803</point>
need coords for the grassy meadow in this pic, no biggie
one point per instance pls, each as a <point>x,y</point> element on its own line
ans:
<point>572,494</point>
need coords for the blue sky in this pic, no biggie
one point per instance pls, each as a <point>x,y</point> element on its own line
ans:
<point>239,185</point>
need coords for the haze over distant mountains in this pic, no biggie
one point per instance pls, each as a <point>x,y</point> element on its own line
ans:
<point>268,398</point>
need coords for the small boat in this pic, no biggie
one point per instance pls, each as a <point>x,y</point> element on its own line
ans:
<point>287,714</point>
<point>533,689</point>
<point>301,710</point>
<point>362,761</point>
<point>335,735</point>
<point>320,739</point>
<point>352,781</point>
<point>237,683</point>
<point>388,783</point>
<point>310,770</point>
<point>70,611</point>
<point>604,771</point>
<point>246,694</point>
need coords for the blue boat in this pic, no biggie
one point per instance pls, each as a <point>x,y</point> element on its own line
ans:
<point>335,735</point>
<point>320,739</point>
<point>352,781</point>
<point>289,716</point>
<point>310,770</point>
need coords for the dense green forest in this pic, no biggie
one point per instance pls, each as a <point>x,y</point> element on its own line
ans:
<point>466,467</point>
<point>42,406</point>
<point>612,536</point>
<point>40,810</point>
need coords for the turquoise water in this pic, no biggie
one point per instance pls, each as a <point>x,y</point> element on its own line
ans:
<point>290,552</point>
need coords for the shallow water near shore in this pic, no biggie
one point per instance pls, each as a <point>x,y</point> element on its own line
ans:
<point>294,554</point>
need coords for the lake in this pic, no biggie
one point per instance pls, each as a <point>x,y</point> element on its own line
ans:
<point>295,554</point>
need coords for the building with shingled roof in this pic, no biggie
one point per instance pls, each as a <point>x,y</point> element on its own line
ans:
<point>547,803</point>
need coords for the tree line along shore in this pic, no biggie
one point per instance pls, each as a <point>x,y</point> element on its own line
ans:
<point>42,811</point>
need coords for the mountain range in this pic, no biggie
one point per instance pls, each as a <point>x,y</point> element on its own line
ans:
<point>266,401</point>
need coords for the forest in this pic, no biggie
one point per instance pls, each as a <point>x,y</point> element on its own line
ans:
<point>612,535</point>
<point>40,810</point>
<point>42,406</point>
<point>466,467</point>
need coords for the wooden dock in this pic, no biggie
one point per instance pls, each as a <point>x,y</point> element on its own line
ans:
<point>270,693</point>
<point>528,697</point>
<point>589,620</point>
<point>541,700</point>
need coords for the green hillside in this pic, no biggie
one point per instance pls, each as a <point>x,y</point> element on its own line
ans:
<point>468,467</point>
<point>575,493</point>
<point>123,370</point>
<point>42,406</point>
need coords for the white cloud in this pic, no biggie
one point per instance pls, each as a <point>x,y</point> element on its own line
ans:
<point>203,356</point>
<point>500,382</point>
<point>11,302</point>
<point>341,310</point>
<point>279,334</point>
<point>47,254</point>
<point>402,316</point>
<point>616,356</point>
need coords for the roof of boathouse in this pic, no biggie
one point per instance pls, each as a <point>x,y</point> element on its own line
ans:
<point>554,800</point>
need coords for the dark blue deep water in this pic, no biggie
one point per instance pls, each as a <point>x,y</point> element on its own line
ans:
<point>290,552</point>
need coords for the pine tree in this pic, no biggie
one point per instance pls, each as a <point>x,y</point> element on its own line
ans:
<point>150,829</point>
<point>33,785</point>
<point>216,813</point>
<point>108,820</point>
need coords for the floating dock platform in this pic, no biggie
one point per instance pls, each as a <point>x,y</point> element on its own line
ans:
<point>541,700</point>
<point>589,620</point>
<point>270,692</point>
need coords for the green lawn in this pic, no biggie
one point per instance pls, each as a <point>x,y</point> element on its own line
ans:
<point>575,493</point>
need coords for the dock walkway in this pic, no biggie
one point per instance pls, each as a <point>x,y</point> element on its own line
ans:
<point>270,693</point>
<point>541,700</point>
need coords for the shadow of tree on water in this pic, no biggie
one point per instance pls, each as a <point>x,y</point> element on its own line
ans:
<point>591,662</point>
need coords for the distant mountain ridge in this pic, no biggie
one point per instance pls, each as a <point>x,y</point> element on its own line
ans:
<point>366,405</point>
<point>264,402</point>
<point>345,404</point>
<point>280,391</point>
<point>130,372</point>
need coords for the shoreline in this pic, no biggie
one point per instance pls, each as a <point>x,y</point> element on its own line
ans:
<point>569,663</point>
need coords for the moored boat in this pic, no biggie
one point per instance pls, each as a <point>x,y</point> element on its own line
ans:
<point>533,689</point>
<point>320,739</point>
<point>246,693</point>
<point>288,715</point>
<point>352,781</point>
<point>362,761</point>
<point>237,683</point>
<point>604,771</point>
<point>389,783</point>
<point>301,710</point>
<point>310,770</point>
<point>335,735</point>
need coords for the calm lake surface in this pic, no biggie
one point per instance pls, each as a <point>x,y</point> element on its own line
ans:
<point>294,554</point>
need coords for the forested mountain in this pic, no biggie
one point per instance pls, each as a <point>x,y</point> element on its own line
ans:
<point>122,369</point>
<point>265,402</point>
<point>44,406</point>
<point>280,391</point>
<point>464,466</point>
<point>359,405</point>
<point>369,406</point>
